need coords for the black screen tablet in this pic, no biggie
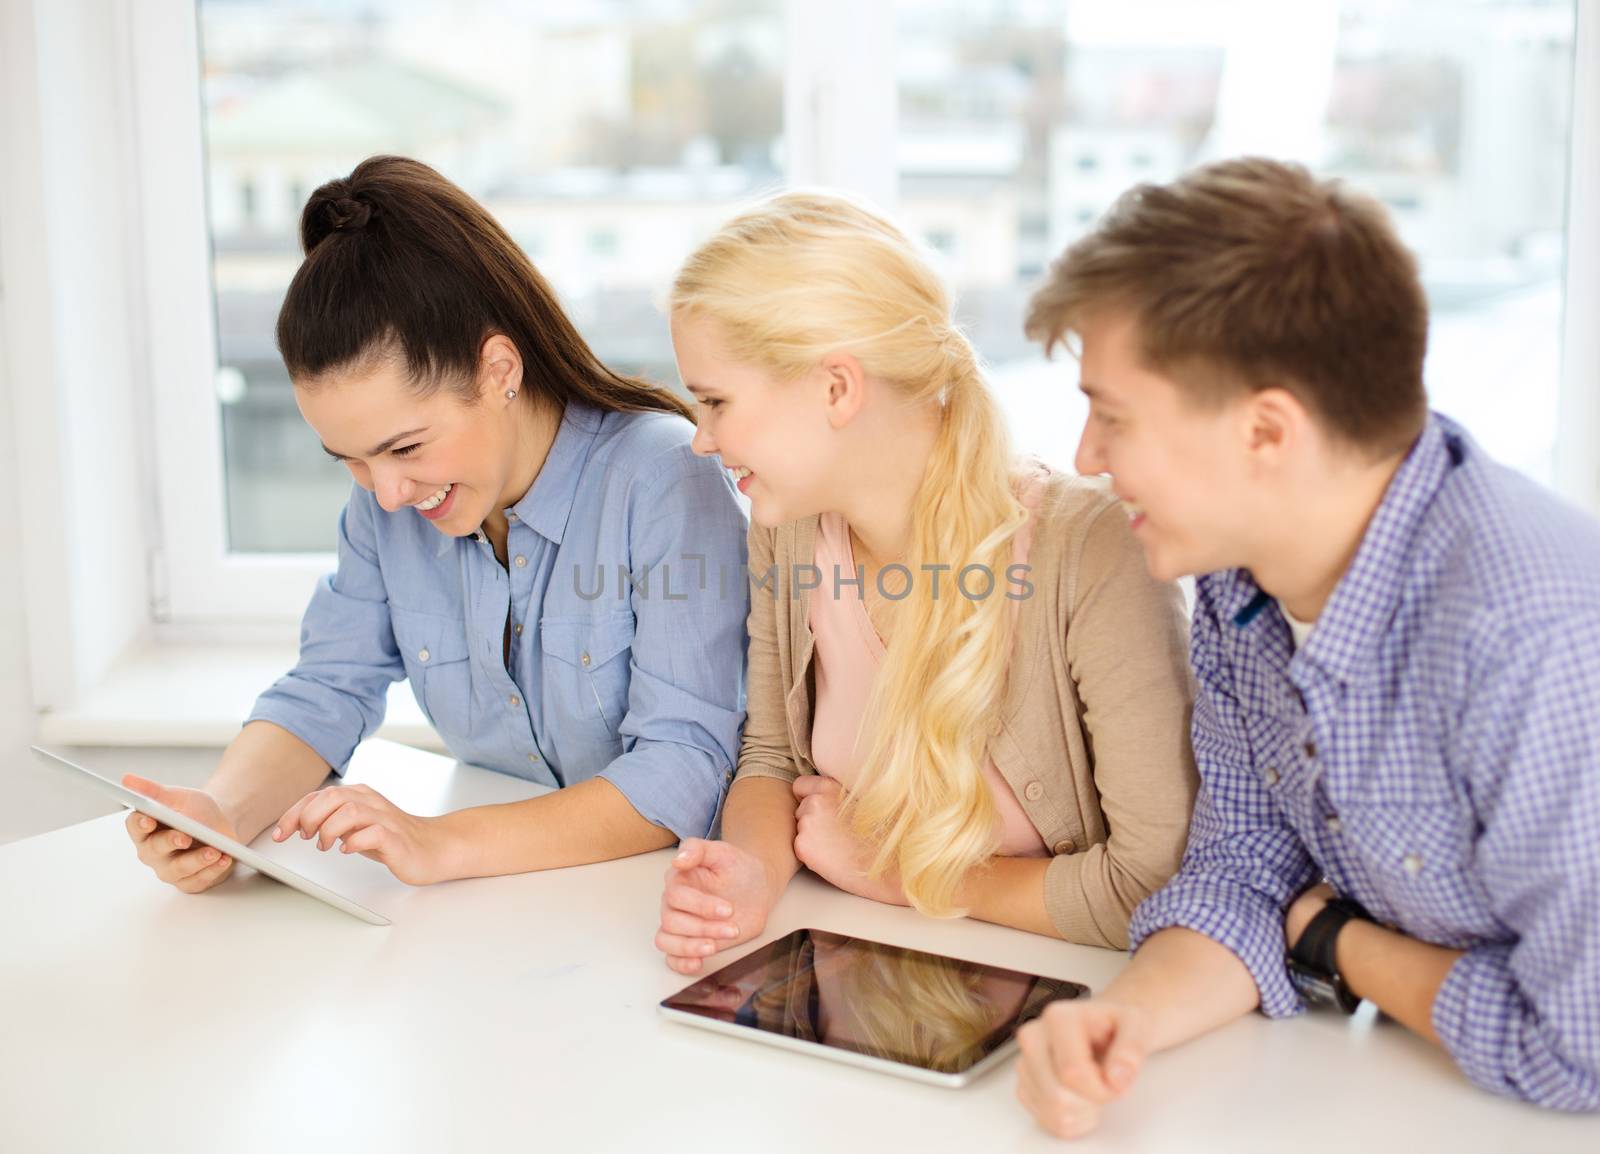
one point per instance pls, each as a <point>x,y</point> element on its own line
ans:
<point>920,1015</point>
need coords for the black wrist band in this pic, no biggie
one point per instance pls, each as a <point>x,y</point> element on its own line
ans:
<point>1315,952</point>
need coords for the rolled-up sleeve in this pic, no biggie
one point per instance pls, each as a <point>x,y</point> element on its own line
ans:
<point>686,686</point>
<point>1244,862</point>
<point>766,750</point>
<point>1523,1018</point>
<point>336,694</point>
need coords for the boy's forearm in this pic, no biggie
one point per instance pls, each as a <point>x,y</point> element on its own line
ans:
<point>1399,975</point>
<point>1186,983</point>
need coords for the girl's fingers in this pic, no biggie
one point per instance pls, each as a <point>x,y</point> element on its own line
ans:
<point>346,819</point>
<point>181,867</point>
<point>691,852</point>
<point>140,826</point>
<point>372,839</point>
<point>206,878</point>
<point>689,926</point>
<point>689,900</point>
<point>319,807</point>
<point>290,821</point>
<point>679,946</point>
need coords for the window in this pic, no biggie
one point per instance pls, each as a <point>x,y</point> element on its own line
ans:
<point>1456,114</point>
<point>609,139</point>
<point>613,135</point>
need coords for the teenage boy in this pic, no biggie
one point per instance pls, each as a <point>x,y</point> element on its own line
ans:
<point>1396,644</point>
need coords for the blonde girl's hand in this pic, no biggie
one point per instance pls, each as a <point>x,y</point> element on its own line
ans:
<point>829,848</point>
<point>715,895</point>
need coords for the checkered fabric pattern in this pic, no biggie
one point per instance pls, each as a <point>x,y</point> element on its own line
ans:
<point>1433,751</point>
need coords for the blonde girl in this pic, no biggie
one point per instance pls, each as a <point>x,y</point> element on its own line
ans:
<point>965,692</point>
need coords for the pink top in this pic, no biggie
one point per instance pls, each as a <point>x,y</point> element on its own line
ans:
<point>848,652</point>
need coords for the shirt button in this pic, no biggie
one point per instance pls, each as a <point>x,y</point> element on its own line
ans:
<point>521,561</point>
<point>1412,864</point>
<point>512,517</point>
<point>1334,824</point>
<point>1311,749</point>
<point>1033,791</point>
<point>1271,775</point>
<point>423,655</point>
<point>585,660</point>
<point>518,631</point>
<point>533,758</point>
<point>515,700</point>
<point>1065,845</point>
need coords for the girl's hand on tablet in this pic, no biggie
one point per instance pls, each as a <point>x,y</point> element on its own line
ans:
<point>829,848</point>
<point>173,855</point>
<point>1076,1057</point>
<point>361,820</point>
<point>716,895</point>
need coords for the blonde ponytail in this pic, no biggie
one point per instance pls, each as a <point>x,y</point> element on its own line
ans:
<point>807,274</point>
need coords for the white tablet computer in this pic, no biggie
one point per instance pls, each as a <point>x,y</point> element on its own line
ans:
<point>205,835</point>
<point>922,1016</point>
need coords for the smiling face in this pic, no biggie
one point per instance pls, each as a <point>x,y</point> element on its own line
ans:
<point>774,436</point>
<point>1180,465</point>
<point>450,461</point>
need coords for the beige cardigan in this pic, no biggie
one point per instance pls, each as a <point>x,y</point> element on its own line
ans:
<point>1094,733</point>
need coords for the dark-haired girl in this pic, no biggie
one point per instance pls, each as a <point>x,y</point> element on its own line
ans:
<point>530,541</point>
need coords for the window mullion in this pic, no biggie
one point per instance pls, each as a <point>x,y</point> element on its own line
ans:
<point>841,102</point>
<point>1578,426</point>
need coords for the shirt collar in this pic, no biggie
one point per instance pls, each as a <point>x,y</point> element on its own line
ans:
<point>1363,604</point>
<point>547,504</point>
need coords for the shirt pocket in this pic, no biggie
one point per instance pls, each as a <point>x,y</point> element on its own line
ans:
<point>435,649</point>
<point>1419,857</point>
<point>588,666</point>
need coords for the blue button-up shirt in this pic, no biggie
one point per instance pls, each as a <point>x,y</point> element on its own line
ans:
<point>1433,750</point>
<point>625,601</point>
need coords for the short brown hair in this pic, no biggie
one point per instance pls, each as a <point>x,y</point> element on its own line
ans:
<point>1251,273</point>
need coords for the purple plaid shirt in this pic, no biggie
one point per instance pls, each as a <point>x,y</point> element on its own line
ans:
<point>1433,751</point>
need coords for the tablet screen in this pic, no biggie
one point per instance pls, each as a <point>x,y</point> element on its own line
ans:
<point>887,1002</point>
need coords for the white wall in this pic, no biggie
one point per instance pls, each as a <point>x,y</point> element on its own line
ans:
<point>74,355</point>
<point>16,693</point>
<point>73,547</point>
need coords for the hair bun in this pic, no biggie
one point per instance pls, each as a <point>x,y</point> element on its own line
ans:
<point>347,214</point>
<point>332,208</point>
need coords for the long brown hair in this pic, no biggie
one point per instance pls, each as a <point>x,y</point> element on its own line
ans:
<point>399,261</point>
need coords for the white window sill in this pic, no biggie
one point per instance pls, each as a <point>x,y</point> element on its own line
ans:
<point>197,693</point>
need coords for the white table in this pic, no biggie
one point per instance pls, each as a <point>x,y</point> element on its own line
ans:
<point>519,1014</point>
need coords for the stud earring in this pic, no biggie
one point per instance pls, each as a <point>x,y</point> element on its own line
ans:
<point>511,394</point>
